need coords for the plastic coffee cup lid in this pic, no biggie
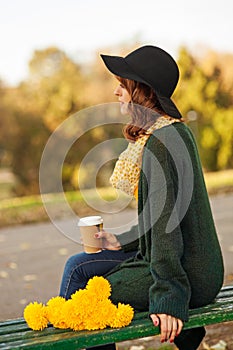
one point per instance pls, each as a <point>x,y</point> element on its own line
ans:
<point>90,221</point>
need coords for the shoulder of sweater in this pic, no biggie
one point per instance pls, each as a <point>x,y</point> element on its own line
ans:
<point>180,127</point>
<point>170,134</point>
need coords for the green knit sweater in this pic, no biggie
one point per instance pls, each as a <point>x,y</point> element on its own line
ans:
<point>179,262</point>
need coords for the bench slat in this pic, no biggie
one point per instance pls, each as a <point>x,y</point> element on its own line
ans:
<point>16,321</point>
<point>14,328</point>
<point>15,334</point>
<point>55,338</point>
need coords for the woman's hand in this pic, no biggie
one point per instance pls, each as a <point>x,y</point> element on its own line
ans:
<point>170,327</point>
<point>110,241</point>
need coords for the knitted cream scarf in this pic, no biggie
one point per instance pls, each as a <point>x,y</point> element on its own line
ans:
<point>127,169</point>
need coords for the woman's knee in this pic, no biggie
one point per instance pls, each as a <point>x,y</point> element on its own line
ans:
<point>73,261</point>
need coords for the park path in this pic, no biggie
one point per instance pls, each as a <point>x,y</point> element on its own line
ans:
<point>33,256</point>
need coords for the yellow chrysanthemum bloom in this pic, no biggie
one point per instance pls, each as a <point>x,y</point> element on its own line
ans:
<point>35,314</point>
<point>84,302</point>
<point>80,295</point>
<point>100,286</point>
<point>123,317</point>
<point>70,318</point>
<point>88,308</point>
<point>101,315</point>
<point>107,310</point>
<point>55,312</point>
<point>74,314</point>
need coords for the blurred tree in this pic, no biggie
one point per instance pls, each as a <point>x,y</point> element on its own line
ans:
<point>210,98</point>
<point>56,85</point>
<point>25,137</point>
<point>58,88</point>
<point>4,127</point>
<point>99,84</point>
<point>37,106</point>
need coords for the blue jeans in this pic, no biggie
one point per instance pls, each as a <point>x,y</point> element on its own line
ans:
<point>81,267</point>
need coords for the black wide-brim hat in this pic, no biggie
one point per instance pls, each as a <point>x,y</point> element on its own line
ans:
<point>152,66</point>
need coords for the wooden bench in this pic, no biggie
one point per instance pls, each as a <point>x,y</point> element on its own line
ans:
<point>14,334</point>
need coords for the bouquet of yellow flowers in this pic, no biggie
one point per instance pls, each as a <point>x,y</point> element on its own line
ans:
<point>88,309</point>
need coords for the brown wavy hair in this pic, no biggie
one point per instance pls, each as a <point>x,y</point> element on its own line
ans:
<point>141,95</point>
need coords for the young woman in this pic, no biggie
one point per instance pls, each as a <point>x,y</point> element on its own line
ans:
<point>171,261</point>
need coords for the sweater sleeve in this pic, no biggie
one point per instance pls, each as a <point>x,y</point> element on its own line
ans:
<point>170,292</point>
<point>129,240</point>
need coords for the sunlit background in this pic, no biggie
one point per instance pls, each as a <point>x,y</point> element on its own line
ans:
<point>82,27</point>
<point>50,69</point>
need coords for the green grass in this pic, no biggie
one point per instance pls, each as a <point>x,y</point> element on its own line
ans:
<point>30,209</point>
<point>107,193</point>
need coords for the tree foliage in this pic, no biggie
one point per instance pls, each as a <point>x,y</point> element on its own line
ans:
<point>207,95</point>
<point>57,87</point>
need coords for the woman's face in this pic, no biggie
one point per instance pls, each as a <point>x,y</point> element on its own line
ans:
<point>123,97</point>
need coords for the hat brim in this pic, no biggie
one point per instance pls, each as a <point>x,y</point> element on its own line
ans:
<point>169,106</point>
<point>118,66</point>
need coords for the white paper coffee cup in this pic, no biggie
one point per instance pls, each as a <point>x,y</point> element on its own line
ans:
<point>88,226</point>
